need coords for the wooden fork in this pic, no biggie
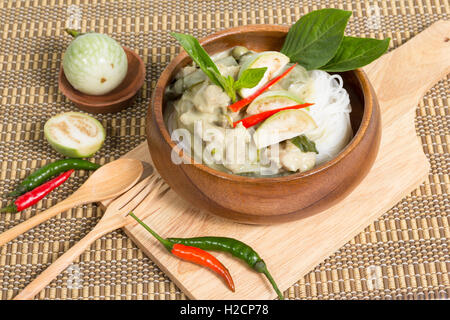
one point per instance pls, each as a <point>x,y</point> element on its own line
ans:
<point>137,199</point>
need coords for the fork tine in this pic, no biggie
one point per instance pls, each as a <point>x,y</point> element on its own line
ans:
<point>127,196</point>
<point>142,211</point>
<point>139,197</point>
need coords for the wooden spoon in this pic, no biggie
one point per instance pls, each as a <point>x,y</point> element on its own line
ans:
<point>107,182</point>
<point>138,199</point>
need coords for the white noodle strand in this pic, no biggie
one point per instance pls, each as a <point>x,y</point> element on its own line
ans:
<point>331,113</point>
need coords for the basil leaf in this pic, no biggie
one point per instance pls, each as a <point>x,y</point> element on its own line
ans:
<point>355,53</point>
<point>304,144</point>
<point>315,38</point>
<point>204,61</point>
<point>250,78</point>
<point>200,56</point>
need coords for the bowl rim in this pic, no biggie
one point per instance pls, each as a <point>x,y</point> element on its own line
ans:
<point>156,107</point>
<point>70,92</point>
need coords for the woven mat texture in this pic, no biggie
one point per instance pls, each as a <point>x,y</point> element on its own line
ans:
<point>406,249</point>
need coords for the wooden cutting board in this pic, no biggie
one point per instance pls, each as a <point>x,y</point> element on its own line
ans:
<point>290,250</point>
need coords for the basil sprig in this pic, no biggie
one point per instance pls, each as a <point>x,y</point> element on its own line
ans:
<point>317,41</point>
<point>248,79</point>
<point>304,144</point>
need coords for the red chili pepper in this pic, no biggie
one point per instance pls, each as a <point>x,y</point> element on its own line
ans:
<point>257,118</point>
<point>242,103</point>
<point>203,258</point>
<point>193,254</point>
<point>31,197</point>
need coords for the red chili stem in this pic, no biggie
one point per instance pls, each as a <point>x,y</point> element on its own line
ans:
<point>203,258</point>
<point>257,118</point>
<point>242,103</point>
<point>28,199</point>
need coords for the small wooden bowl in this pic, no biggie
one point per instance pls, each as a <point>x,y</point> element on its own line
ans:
<point>266,200</point>
<point>114,101</point>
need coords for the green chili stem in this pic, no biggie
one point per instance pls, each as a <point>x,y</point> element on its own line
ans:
<point>274,285</point>
<point>12,208</point>
<point>20,190</point>
<point>74,33</point>
<point>163,241</point>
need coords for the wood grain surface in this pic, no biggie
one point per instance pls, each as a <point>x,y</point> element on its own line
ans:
<point>290,250</point>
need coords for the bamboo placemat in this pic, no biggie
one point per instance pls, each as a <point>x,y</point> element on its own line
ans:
<point>403,255</point>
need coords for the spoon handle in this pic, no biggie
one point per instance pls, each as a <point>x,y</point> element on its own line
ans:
<point>102,228</point>
<point>64,205</point>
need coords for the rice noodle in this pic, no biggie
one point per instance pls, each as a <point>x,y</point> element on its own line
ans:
<point>331,112</point>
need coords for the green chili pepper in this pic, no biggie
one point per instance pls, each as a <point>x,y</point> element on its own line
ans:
<point>236,248</point>
<point>192,254</point>
<point>46,172</point>
<point>31,197</point>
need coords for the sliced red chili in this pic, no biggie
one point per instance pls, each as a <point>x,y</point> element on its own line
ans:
<point>28,199</point>
<point>242,103</point>
<point>257,118</point>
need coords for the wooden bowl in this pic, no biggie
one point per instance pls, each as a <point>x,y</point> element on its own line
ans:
<point>267,200</point>
<point>114,101</point>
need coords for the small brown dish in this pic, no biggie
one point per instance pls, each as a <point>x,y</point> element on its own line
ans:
<point>267,200</point>
<point>114,101</point>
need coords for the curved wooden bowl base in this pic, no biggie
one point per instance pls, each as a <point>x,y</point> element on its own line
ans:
<point>266,200</point>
